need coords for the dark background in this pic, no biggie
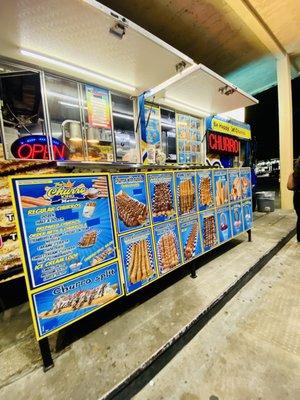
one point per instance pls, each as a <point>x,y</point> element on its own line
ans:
<point>263,119</point>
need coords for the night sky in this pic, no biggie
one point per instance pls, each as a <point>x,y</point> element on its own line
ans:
<point>263,119</point>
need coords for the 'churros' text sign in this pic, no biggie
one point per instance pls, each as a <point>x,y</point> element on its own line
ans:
<point>65,225</point>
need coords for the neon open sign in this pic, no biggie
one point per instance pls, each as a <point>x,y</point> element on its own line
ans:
<point>35,147</point>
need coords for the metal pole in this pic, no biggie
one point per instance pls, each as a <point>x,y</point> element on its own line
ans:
<point>46,354</point>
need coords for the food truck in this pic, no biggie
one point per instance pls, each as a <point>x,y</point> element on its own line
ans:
<point>104,182</point>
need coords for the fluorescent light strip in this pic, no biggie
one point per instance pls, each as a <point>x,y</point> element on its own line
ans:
<point>124,116</point>
<point>74,68</point>
<point>179,105</point>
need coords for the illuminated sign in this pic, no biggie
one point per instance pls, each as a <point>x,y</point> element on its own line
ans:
<point>35,147</point>
<point>222,144</point>
<point>231,127</point>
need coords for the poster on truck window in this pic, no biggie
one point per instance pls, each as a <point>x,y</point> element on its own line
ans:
<point>205,194</point>
<point>98,107</point>
<point>247,214</point>
<point>237,219</point>
<point>221,187</point>
<point>186,192</point>
<point>235,188</point>
<point>138,259</point>
<point>190,237</point>
<point>224,223</point>
<point>188,139</point>
<point>246,183</point>
<point>162,198</point>
<point>65,223</point>
<point>67,302</point>
<point>131,201</point>
<point>150,132</point>
<point>168,252</point>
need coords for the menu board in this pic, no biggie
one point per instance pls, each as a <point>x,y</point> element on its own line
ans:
<point>167,243</point>
<point>246,183</point>
<point>235,189</point>
<point>221,187</point>
<point>131,201</point>
<point>163,220</point>
<point>190,237</point>
<point>237,219</point>
<point>205,189</point>
<point>188,139</point>
<point>138,259</point>
<point>186,192</point>
<point>66,225</point>
<point>208,229</point>
<point>162,199</point>
<point>98,107</point>
<point>224,223</point>
<point>66,302</point>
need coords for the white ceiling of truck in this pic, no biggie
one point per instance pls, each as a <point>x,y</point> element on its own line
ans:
<point>76,32</point>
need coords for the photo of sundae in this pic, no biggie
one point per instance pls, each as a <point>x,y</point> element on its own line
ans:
<point>224,226</point>
<point>237,218</point>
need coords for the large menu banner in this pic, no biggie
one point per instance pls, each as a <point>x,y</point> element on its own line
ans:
<point>77,233</point>
<point>66,225</point>
<point>66,228</point>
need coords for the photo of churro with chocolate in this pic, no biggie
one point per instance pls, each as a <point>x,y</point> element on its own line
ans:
<point>162,203</point>
<point>132,212</point>
<point>88,239</point>
<point>191,242</point>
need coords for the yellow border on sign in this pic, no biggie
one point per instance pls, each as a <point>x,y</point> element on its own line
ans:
<point>63,280</point>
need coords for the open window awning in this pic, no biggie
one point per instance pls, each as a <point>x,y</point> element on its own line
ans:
<point>86,40</point>
<point>200,91</point>
<point>89,41</point>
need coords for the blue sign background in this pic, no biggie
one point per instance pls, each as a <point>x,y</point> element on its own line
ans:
<point>126,244</point>
<point>235,189</point>
<point>224,223</point>
<point>44,302</point>
<point>154,179</point>
<point>237,219</point>
<point>208,245</point>
<point>221,175</point>
<point>180,177</point>
<point>161,230</point>
<point>246,183</point>
<point>248,214</point>
<point>208,175</point>
<point>134,185</point>
<point>186,225</point>
<point>56,236</point>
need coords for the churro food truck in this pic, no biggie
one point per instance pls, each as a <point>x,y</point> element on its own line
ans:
<point>104,187</point>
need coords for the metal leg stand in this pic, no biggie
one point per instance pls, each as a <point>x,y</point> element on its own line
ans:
<point>193,271</point>
<point>46,354</point>
<point>249,236</point>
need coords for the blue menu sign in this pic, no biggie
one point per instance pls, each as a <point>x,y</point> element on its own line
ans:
<point>66,225</point>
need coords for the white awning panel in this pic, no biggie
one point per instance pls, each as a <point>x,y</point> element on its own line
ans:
<point>200,91</point>
<point>77,32</point>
